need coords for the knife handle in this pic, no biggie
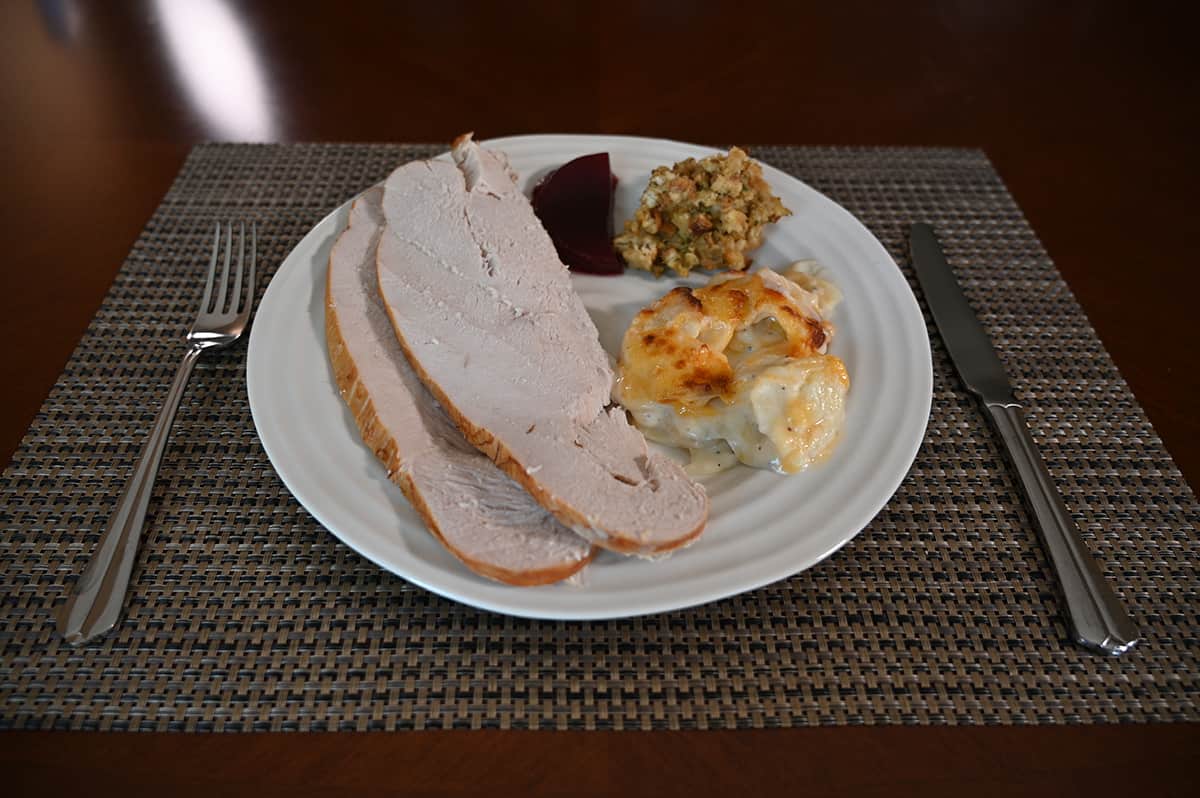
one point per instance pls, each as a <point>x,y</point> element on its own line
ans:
<point>1094,613</point>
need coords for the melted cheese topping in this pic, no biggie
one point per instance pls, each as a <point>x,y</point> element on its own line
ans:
<point>738,371</point>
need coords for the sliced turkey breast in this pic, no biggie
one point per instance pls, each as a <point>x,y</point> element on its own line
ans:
<point>484,518</point>
<point>487,315</point>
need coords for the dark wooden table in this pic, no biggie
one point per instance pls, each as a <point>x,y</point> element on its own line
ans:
<point>1089,111</point>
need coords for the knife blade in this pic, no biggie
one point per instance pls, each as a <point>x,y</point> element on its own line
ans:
<point>1094,614</point>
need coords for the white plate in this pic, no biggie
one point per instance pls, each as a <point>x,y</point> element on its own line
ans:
<point>763,526</point>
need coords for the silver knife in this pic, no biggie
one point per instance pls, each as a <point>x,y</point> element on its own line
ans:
<point>1094,613</point>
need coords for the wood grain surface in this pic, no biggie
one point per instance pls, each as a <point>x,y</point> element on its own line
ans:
<point>1089,111</point>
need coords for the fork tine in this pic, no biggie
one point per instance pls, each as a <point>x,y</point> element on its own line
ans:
<point>212,270</point>
<point>252,285</point>
<point>220,308</point>
<point>237,278</point>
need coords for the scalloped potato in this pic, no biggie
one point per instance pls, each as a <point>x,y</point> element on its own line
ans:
<point>738,371</point>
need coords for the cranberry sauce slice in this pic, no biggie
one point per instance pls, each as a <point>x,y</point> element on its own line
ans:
<point>575,205</point>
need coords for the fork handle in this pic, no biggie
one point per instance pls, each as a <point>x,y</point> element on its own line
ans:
<point>94,605</point>
<point>1096,617</point>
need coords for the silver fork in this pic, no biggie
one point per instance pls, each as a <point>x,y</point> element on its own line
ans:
<point>94,605</point>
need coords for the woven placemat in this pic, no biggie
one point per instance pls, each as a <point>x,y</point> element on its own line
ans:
<point>246,615</point>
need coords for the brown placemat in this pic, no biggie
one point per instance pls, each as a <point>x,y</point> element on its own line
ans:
<point>246,615</point>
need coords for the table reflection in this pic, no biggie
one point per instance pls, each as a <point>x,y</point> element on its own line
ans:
<point>216,64</point>
<point>61,18</point>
